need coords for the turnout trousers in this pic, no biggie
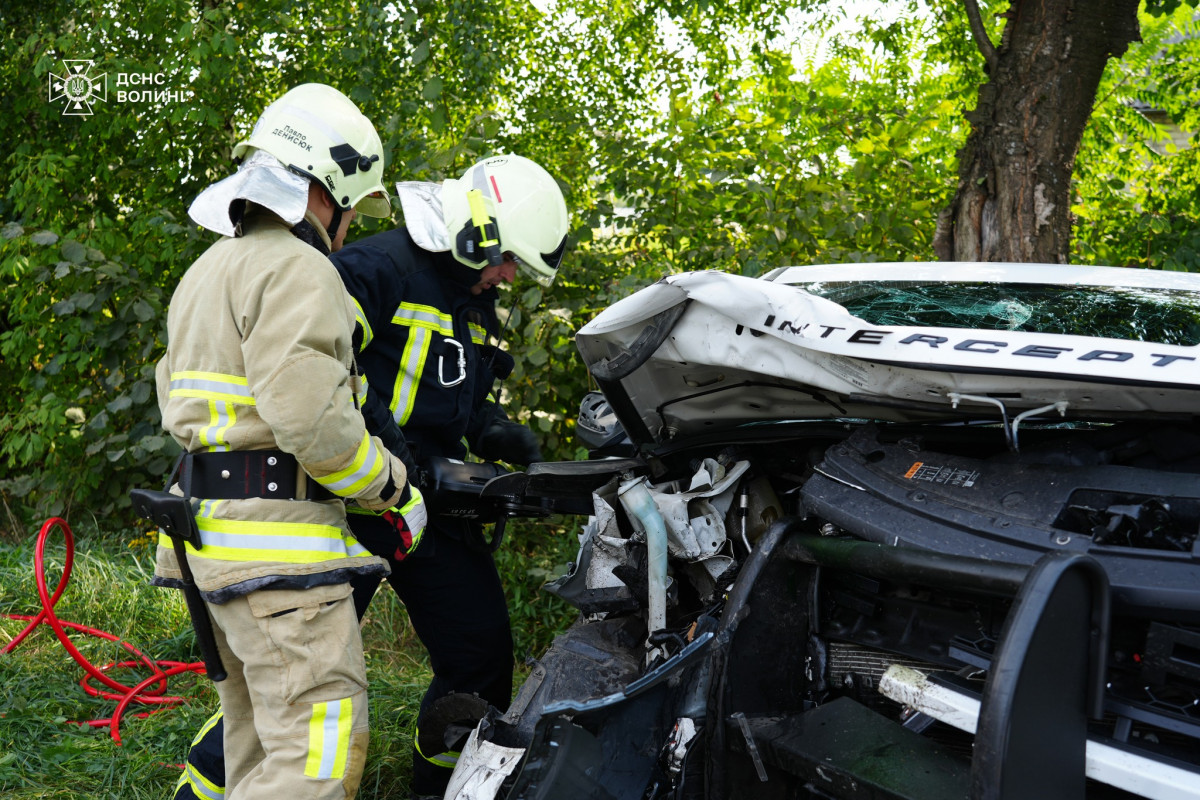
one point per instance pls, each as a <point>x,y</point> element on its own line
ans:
<point>457,606</point>
<point>295,700</point>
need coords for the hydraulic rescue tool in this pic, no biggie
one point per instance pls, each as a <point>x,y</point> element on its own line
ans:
<point>173,514</point>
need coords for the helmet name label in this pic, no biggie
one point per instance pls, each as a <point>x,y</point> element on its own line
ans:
<point>290,134</point>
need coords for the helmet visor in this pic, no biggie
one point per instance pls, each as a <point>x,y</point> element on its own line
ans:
<point>544,267</point>
<point>375,204</point>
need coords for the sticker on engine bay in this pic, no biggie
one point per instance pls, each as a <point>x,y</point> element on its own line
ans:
<point>849,370</point>
<point>950,476</point>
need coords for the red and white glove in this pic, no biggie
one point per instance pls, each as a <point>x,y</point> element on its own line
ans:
<point>408,521</point>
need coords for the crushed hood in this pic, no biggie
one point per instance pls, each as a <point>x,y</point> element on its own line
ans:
<point>704,351</point>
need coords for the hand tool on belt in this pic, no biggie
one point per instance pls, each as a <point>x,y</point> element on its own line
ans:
<point>173,514</point>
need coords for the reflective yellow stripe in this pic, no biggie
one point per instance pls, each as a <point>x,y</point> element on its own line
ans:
<point>328,740</point>
<point>211,386</point>
<point>206,727</point>
<point>200,785</point>
<point>222,416</point>
<point>288,542</point>
<point>366,466</point>
<point>447,759</point>
<point>408,376</point>
<point>420,316</point>
<point>191,778</point>
<point>422,321</point>
<point>361,317</point>
<point>478,333</point>
<point>414,500</point>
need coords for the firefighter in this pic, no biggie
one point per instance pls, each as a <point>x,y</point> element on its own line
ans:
<point>425,295</point>
<point>257,387</point>
<point>425,298</point>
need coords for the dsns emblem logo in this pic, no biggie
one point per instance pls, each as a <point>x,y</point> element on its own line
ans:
<point>78,87</point>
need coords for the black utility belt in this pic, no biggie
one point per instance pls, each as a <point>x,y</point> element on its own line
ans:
<point>270,474</point>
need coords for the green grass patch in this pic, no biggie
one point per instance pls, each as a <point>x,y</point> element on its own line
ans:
<point>43,755</point>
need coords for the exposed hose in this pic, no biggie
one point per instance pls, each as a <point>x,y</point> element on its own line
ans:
<point>150,691</point>
<point>636,499</point>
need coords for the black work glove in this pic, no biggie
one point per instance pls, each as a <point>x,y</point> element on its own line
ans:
<point>512,442</point>
<point>394,441</point>
<point>499,362</point>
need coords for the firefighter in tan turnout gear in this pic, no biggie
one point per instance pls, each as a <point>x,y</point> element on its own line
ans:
<point>259,387</point>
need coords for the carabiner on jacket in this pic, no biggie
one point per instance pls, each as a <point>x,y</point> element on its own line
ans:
<point>462,365</point>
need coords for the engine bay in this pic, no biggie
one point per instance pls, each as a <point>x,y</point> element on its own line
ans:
<point>839,575</point>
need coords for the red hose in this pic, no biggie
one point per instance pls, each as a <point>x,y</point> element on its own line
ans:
<point>150,691</point>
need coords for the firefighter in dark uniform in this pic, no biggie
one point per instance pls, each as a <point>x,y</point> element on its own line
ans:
<point>426,298</point>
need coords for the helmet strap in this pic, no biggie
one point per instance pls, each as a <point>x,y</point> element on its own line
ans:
<point>335,223</point>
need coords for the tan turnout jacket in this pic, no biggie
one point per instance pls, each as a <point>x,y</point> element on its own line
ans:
<point>258,359</point>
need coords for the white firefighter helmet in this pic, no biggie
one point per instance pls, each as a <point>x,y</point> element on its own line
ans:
<point>507,204</point>
<point>317,131</point>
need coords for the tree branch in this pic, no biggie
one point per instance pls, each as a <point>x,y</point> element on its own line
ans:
<point>980,35</point>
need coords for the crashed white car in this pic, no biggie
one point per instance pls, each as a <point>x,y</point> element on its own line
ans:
<point>874,531</point>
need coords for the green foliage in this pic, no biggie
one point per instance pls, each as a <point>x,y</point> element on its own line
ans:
<point>84,327</point>
<point>737,136</point>
<point>1136,187</point>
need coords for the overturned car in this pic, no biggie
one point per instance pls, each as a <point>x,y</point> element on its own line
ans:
<point>874,531</point>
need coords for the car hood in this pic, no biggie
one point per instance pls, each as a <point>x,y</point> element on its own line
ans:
<point>705,351</point>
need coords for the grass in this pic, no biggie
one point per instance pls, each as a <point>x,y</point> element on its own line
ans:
<point>43,755</point>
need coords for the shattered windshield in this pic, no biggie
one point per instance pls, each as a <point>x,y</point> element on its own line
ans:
<point>1162,316</point>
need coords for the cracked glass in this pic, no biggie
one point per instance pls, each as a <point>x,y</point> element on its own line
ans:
<point>1162,316</point>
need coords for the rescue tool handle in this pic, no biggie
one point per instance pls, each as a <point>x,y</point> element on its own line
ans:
<point>173,514</point>
<point>213,666</point>
<point>483,544</point>
<point>168,511</point>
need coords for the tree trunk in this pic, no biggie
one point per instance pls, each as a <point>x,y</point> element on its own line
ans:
<point>1014,192</point>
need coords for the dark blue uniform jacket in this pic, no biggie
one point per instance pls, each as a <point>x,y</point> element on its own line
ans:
<point>424,354</point>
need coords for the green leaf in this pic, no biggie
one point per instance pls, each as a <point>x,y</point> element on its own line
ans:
<point>44,238</point>
<point>73,251</point>
<point>142,310</point>
<point>432,89</point>
<point>121,403</point>
<point>420,53</point>
<point>152,444</point>
<point>140,392</point>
